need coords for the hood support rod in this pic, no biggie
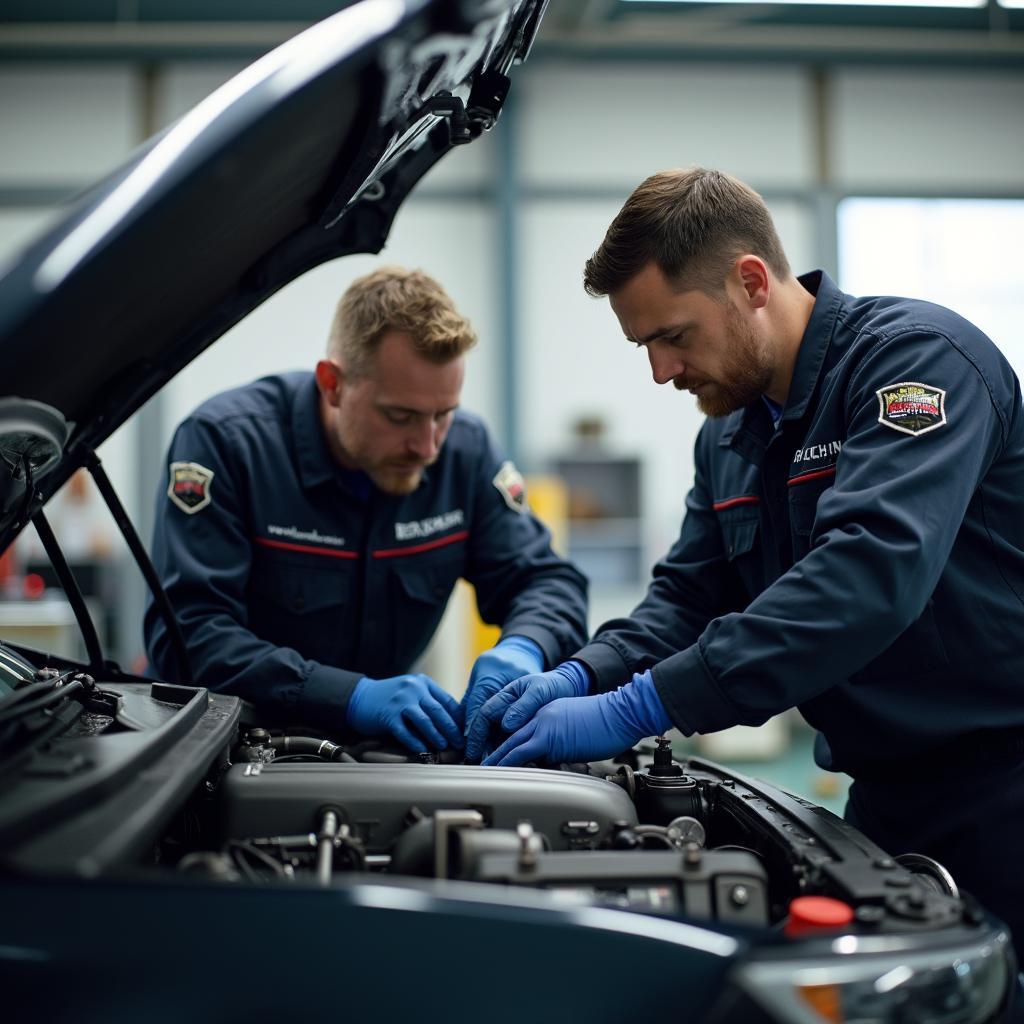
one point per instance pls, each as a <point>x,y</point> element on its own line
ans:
<point>72,592</point>
<point>138,550</point>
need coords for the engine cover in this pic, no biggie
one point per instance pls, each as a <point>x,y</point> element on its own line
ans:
<point>375,799</point>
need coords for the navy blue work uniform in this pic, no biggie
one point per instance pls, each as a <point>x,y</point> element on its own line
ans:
<point>863,560</point>
<point>293,578</point>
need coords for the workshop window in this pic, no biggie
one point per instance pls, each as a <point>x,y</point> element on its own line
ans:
<point>961,253</point>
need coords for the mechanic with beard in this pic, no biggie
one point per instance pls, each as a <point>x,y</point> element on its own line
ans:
<point>853,544</point>
<point>314,524</point>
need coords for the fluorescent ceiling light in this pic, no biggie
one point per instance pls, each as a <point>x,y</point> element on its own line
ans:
<point>1010,3</point>
<point>843,3</point>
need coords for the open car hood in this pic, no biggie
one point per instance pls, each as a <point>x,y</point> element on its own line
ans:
<point>303,157</point>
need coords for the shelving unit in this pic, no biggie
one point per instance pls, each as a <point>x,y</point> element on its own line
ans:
<point>605,526</point>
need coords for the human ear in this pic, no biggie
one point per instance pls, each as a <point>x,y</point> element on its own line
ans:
<point>330,379</point>
<point>753,277</point>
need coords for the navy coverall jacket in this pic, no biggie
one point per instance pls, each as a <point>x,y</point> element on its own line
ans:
<point>863,561</point>
<point>292,579</point>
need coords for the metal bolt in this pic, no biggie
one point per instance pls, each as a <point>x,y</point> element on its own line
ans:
<point>527,854</point>
<point>739,895</point>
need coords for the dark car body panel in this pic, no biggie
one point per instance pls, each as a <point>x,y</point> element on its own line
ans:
<point>361,952</point>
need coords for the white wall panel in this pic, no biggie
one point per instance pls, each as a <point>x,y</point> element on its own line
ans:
<point>928,130</point>
<point>64,125</point>
<point>794,221</point>
<point>616,123</point>
<point>449,241</point>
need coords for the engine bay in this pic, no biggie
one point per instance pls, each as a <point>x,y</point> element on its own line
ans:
<point>131,775</point>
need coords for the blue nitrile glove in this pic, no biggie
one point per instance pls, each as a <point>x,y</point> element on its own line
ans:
<point>587,728</point>
<point>509,659</point>
<point>412,708</point>
<point>518,702</point>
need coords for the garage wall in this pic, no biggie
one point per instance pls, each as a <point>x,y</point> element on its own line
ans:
<point>951,129</point>
<point>615,118</point>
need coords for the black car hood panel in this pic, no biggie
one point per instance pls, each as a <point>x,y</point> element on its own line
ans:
<point>303,157</point>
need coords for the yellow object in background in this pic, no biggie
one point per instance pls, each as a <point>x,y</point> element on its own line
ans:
<point>548,498</point>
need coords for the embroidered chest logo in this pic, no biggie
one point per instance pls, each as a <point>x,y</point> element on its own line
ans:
<point>294,533</point>
<point>814,452</point>
<point>911,407</point>
<point>427,527</point>
<point>189,487</point>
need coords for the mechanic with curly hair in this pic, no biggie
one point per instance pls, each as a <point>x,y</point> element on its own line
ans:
<point>312,526</point>
<point>853,544</point>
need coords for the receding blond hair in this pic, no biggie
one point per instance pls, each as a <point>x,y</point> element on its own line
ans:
<point>693,224</point>
<point>396,299</point>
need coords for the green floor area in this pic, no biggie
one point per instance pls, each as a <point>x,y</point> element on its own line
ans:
<point>795,771</point>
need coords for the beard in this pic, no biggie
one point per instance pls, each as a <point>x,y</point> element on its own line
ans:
<point>397,480</point>
<point>745,374</point>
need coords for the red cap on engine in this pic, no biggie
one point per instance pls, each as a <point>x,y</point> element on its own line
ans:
<point>811,914</point>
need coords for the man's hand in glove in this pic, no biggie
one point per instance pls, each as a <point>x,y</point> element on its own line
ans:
<point>513,706</point>
<point>587,728</point>
<point>412,708</point>
<point>509,659</point>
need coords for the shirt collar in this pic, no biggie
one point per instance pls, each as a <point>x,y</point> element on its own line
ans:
<point>815,343</point>
<point>316,465</point>
<point>774,410</point>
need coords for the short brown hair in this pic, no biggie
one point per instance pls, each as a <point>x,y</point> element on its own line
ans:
<point>693,224</point>
<point>396,299</point>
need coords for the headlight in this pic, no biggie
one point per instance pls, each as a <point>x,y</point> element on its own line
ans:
<point>961,984</point>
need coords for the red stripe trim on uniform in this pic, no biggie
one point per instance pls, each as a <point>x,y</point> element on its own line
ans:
<point>415,549</point>
<point>305,548</point>
<point>743,499</point>
<point>803,478</point>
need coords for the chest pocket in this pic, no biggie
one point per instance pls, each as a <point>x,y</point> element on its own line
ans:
<point>803,510</point>
<point>741,542</point>
<point>303,607</point>
<point>420,587</point>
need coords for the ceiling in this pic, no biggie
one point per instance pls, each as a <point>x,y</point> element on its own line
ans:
<point>991,35</point>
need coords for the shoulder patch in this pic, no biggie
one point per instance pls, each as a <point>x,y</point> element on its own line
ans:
<point>911,407</point>
<point>189,487</point>
<point>511,486</point>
